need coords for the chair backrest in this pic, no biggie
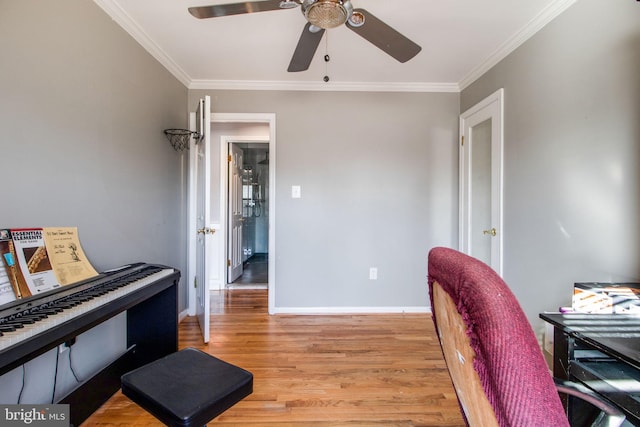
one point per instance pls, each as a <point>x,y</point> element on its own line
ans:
<point>495,362</point>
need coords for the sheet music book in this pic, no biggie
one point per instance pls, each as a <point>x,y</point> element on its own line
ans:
<point>9,263</point>
<point>33,259</point>
<point>7,293</point>
<point>69,262</point>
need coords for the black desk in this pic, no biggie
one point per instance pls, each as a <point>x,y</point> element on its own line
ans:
<point>602,351</point>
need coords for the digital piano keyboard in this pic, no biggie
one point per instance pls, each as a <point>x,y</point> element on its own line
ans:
<point>148,292</point>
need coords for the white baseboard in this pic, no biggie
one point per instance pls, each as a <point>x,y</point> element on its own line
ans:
<point>350,310</point>
<point>232,286</point>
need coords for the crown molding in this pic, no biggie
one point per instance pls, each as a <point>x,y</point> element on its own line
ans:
<point>322,86</point>
<point>547,15</point>
<point>123,19</point>
<point>113,9</point>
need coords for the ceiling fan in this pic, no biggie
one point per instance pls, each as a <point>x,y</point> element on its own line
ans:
<point>322,15</point>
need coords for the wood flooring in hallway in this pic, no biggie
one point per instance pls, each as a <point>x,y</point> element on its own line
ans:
<point>255,271</point>
<point>317,371</point>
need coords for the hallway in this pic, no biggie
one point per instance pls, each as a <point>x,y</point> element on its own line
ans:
<point>255,271</point>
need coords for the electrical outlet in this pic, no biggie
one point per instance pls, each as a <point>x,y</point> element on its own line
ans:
<point>373,273</point>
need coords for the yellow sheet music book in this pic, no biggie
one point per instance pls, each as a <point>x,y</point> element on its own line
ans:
<point>68,260</point>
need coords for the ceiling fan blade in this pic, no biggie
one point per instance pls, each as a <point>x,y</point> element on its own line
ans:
<point>306,48</point>
<point>384,37</point>
<point>202,12</point>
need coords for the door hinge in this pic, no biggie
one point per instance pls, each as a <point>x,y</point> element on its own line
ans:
<point>462,140</point>
<point>195,282</point>
<point>228,263</point>
<point>229,158</point>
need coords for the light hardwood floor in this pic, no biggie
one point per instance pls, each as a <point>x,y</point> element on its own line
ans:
<point>342,370</point>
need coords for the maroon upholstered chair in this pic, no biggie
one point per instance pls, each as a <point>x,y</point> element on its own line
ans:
<point>496,365</point>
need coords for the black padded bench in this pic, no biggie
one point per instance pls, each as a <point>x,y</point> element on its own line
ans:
<point>187,388</point>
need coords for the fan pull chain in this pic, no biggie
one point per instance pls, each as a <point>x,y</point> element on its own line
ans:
<point>327,58</point>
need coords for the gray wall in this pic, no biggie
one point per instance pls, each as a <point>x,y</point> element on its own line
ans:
<point>82,109</point>
<point>378,173</point>
<point>572,150</point>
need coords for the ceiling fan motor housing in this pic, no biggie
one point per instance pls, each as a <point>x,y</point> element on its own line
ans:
<point>327,13</point>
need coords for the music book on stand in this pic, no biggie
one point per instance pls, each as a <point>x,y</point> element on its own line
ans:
<point>36,260</point>
<point>69,262</point>
<point>8,285</point>
<point>32,259</point>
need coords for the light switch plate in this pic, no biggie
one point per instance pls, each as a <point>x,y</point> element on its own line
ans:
<point>296,192</point>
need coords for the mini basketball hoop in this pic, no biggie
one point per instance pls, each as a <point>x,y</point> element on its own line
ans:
<point>179,138</point>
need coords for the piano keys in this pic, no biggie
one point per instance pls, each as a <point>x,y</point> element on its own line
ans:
<point>20,323</point>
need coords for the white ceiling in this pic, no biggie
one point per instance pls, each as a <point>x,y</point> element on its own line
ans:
<point>460,39</point>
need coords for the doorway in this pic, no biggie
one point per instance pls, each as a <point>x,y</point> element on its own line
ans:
<point>248,218</point>
<point>244,128</point>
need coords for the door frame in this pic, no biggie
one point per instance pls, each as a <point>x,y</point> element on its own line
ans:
<point>225,141</point>
<point>240,118</point>
<point>492,107</point>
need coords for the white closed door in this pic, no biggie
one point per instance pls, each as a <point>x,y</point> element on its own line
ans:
<point>236,219</point>
<point>481,172</point>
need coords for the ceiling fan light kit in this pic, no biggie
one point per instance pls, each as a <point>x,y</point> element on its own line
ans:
<point>322,15</point>
<point>288,4</point>
<point>356,19</point>
<point>327,13</point>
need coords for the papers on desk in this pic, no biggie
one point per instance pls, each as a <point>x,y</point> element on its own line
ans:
<point>608,298</point>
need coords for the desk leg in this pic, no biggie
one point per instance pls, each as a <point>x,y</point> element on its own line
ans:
<point>152,326</point>
<point>562,354</point>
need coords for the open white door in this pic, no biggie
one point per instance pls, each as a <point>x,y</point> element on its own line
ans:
<point>203,125</point>
<point>236,219</point>
<point>481,171</point>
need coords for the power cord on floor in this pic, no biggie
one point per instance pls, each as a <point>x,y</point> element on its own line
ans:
<point>71,366</point>
<point>24,374</point>
<point>55,377</point>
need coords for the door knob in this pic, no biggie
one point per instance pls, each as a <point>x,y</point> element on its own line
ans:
<point>206,230</point>
<point>491,232</point>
